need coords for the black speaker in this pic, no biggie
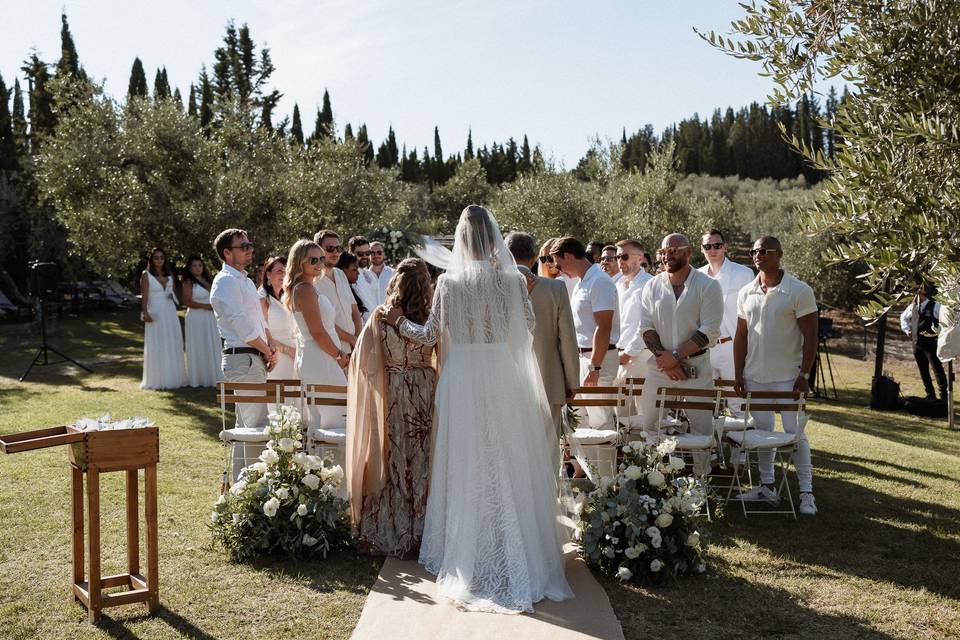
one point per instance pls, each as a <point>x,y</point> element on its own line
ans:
<point>885,395</point>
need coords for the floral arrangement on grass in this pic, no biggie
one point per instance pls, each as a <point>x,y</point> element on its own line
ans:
<point>644,523</point>
<point>396,244</point>
<point>284,504</point>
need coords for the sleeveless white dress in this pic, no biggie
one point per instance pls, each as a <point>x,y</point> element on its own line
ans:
<point>315,366</point>
<point>204,351</point>
<point>283,328</point>
<point>163,366</point>
<point>491,532</point>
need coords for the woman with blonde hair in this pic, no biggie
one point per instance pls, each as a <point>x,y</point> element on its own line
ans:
<point>320,359</point>
<point>390,418</point>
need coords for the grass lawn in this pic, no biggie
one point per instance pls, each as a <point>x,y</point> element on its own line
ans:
<point>880,560</point>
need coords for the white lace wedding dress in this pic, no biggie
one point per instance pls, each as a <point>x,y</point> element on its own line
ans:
<point>491,533</point>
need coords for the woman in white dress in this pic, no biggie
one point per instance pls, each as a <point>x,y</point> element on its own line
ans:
<point>162,341</point>
<point>204,350</point>
<point>320,359</point>
<point>283,328</point>
<point>491,533</point>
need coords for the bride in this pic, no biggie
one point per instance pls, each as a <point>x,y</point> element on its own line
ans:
<point>491,533</point>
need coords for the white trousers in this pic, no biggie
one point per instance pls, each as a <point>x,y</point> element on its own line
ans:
<point>599,417</point>
<point>765,420</point>
<point>637,368</point>
<point>245,367</point>
<point>721,360</point>
<point>701,422</point>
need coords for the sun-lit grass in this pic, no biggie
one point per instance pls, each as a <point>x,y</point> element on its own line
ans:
<point>880,560</point>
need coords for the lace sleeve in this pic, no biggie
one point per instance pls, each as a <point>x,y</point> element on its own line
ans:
<point>528,308</point>
<point>429,332</point>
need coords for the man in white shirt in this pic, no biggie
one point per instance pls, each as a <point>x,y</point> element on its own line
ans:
<point>732,277</point>
<point>596,318</point>
<point>333,284</point>
<point>608,262</point>
<point>774,349</point>
<point>632,350</point>
<point>367,286</point>
<point>921,321</point>
<point>680,314</point>
<point>380,269</point>
<point>247,356</point>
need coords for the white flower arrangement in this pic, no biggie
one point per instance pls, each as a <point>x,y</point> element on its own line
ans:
<point>646,521</point>
<point>107,423</point>
<point>284,503</point>
<point>396,244</point>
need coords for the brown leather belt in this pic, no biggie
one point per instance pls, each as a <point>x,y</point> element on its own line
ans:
<point>724,340</point>
<point>589,349</point>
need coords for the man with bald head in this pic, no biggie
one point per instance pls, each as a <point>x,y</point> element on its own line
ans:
<point>680,314</point>
<point>774,350</point>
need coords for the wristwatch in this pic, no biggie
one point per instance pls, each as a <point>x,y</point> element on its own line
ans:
<point>595,367</point>
<point>676,354</point>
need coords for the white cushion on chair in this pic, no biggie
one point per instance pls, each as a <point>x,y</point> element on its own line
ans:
<point>759,439</point>
<point>735,424</point>
<point>692,441</point>
<point>586,435</point>
<point>244,434</point>
<point>637,422</point>
<point>329,436</point>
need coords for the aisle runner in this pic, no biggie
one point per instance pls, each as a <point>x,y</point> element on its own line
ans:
<point>404,605</point>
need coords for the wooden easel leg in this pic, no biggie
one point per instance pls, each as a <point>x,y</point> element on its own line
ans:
<point>93,515</point>
<point>77,477</point>
<point>153,563</point>
<point>133,522</point>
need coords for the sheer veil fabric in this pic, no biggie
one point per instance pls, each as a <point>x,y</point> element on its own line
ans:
<point>492,534</point>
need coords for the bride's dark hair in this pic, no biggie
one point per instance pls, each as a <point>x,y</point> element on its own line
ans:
<point>410,289</point>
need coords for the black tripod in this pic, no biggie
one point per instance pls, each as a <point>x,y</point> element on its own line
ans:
<point>825,331</point>
<point>44,351</point>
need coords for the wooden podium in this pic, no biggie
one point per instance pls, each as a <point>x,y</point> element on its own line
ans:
<point>93,453</point>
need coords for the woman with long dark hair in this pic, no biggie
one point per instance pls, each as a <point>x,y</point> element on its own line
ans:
<point>283,328</point>
<point>390,422</point>
<point>203,339</point>
<point>162,341</point>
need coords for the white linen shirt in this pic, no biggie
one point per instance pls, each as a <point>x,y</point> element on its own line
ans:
<point>368,290</point>
<point>594,292</point>
<point>382,281</point>
<point>910,317</point>
<point>631,340</point>
<point>699,308</point>
<point>774,340</point>
<point>236,306</point>
<point>948,342</point>
<point>732,277</point>
<point>338,292</point>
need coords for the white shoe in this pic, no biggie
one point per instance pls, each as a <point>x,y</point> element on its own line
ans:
<point>760,494</point>
<point>808,504</point>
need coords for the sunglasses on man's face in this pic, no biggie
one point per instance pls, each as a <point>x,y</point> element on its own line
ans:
<point>670,251</point>
<point>762,251</point>
<point>364,254</point>
<point>334,249</point>
<point>712,245</point>
<point>377,252</point>
<point>243,246</point>
<point>607,258</point>
<point>623,257</point>
<point>546,259</point>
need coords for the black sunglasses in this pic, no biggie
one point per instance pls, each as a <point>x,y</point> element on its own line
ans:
<point>334,249</point>
<point>762,252</point>
<point>363,254</point>
<point>546,259</point>
<point>715,245</point>
<point>608,258</point>
<point>314,260</point>
<point>243,246</point>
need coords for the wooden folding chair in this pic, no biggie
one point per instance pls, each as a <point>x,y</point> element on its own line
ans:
<point>781,444</point>
<point>251,439</point>
<point>596,448</point>
<point>329,437</point>
<point>634,423</point>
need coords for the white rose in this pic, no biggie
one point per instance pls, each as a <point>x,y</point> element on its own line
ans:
<point>336,474</point>
<point>652,532</point>
<point>287,445</point>
<point>656,479</point>
<point>656,565</point>
<point>311,481</point>
<point>269,457</point>
<point>238,488</point>
<point>631,552</point>
<point>259,467</point>
<point>270,507</point>
<point>641,547</point>
<point>664,520</point>
<point>693,539</point>
<point>283,493</point>
<point>633,472</point>
<point>221,500</point>
<point>667,446</point>
<point>314,462</point>
<point>624,574</point>
<point>302,510</point>
<point>609,552</point>
<point>309,540</point>
<point>676,464</point>
<point>300,458</point>
<point>626,448</point>
<point>656,542</point>
<point>214,517</point>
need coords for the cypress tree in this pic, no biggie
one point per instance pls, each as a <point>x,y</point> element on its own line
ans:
<point>363,139</point>
<point>206,99</point>
<point>19,120</point>
<point>347,132</point>
<point>324,124</point>
<point>296,128</point>
<point>192,101</point>
<point>8,146</point>
<point>69,63</point>
<point>178,99</point>
<point>468,152</point>
<point>138,81</point>
<point>161,87</point>
<point>526,161</point>
<point>41,116</point>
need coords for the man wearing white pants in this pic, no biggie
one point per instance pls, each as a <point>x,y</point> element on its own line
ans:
<point>596,318</point>
<point>732,277</point>
<point>680,314</point>
<point>633,277</point>
<point>774,349</point>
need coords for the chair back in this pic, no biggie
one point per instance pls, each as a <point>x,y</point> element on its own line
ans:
<point>270,392</point>
<point>778,401</point>
<point>688,399</point>
<point>600,397</point>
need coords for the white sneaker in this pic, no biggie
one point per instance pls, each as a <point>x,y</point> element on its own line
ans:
<point>808,504</point>
<point>760,494</point>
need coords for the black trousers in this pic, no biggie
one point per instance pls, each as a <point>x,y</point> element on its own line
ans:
<point>925,353</point>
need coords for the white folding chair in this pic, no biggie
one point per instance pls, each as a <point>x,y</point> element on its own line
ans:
<point>595,448</point>
<point>252,440</point>
<point>328,435</point>
<point>633,423</point>
<point>781,444</point>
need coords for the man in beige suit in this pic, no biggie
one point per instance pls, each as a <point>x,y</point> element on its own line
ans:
<point>554,338</point>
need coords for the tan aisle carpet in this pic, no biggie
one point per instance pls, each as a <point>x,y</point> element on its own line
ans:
<point>404,605</point>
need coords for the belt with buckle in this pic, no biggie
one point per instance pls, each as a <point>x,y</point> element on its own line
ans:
<point>589,349</point>
<point>724,340</point>
<point>235,351</point>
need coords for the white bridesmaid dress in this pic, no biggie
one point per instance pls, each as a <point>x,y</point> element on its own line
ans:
<point>203,343</point>
<point>283,328</point>
<point>163,366</point>
<point>315,366</point>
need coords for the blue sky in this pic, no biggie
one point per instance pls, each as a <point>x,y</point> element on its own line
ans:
<point>562,71</point>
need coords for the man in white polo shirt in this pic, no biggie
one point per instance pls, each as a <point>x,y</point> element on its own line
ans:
<point>680,314</point>
<point>732,277</point>
<point>596,318</point>
<point>773,350</point>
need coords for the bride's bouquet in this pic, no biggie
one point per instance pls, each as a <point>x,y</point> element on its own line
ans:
<point>285,503</point>
<point>645,521</point>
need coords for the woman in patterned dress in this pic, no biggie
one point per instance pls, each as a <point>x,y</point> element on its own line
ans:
<point>390,423</point>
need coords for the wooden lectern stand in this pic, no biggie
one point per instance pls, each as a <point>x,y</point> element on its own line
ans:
<point>93,453</point>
